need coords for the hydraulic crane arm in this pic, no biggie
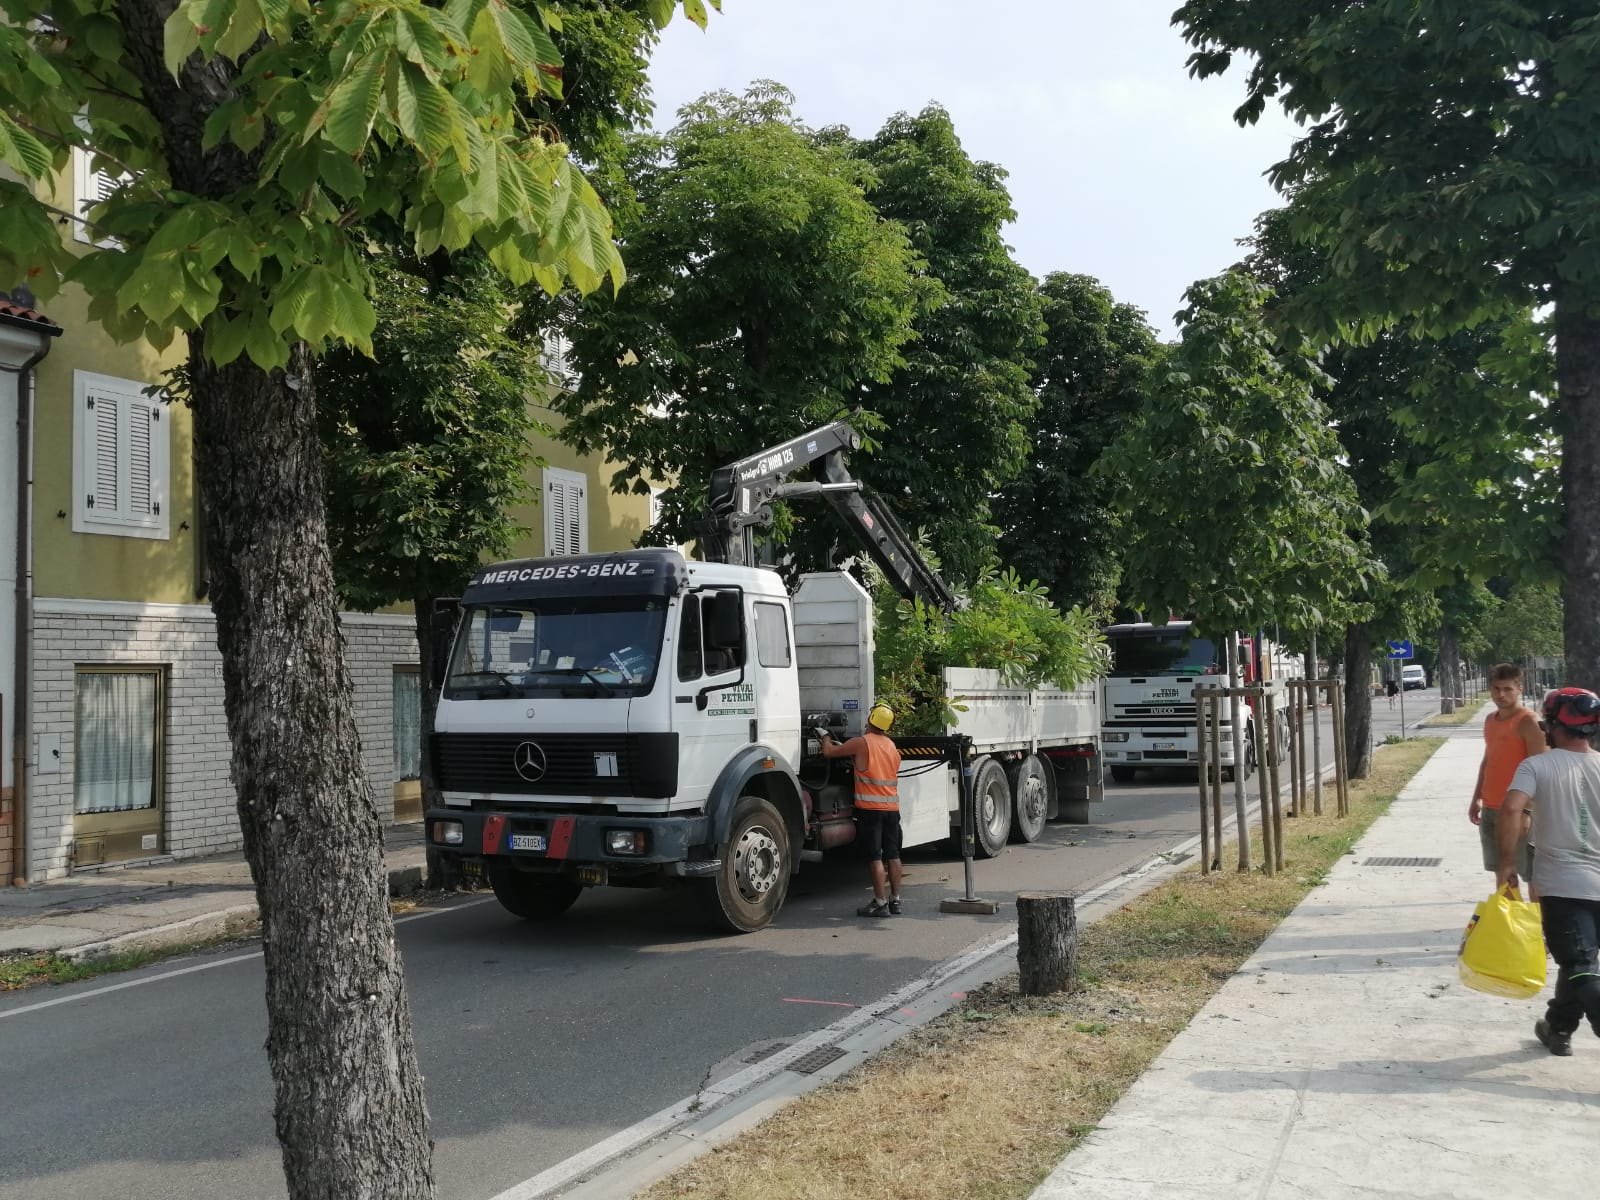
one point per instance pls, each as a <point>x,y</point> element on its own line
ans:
<point>742,495</point>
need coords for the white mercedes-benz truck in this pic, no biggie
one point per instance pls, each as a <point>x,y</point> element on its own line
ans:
<point>643,719</point>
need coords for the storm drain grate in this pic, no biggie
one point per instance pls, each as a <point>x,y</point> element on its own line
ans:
<point>813,1061</point>
<point>1402,862</point>
<point>766,1052</point>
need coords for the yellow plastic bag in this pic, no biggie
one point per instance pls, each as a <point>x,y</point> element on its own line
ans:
<point>1502,951</point>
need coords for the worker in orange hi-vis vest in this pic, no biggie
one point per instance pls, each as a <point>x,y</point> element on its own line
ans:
<point>876,761</point>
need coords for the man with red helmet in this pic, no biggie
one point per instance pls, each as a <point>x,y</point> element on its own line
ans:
<point>1563,788</point>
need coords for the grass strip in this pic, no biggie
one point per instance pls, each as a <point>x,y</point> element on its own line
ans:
<point>982,1102</point>
<point>30,970</point>
<point>1461,716</point>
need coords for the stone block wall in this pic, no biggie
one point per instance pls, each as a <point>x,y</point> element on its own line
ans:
<point>180,641</point>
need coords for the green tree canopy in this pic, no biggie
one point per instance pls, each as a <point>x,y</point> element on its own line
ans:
<point>764,292</point>
<point>1056,518</point>
<point>1236,509</point>
<point>956,409</point>
<point>1448,166</point>
<point>1526,625</point>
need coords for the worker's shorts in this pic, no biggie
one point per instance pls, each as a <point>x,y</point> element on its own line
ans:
<point>1488,824</point>
<point>879,833</point>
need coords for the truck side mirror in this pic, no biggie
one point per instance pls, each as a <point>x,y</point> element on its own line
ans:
<point>725,621</point>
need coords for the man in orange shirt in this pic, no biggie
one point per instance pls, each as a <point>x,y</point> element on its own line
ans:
<point>876,760</point>
<point>1510,734</point>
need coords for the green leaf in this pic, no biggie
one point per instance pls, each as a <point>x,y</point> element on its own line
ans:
<point>22,151</point>
<point>354,103</point>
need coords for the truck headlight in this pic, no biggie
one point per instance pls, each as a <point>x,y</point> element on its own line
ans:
<point>627,841</point>
<point>445,833</point>
<point>1114,737</point>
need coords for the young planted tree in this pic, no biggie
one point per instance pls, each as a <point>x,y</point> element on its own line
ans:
<point>251,143</point>
<point>764,292</point>
<point>1057,523</point>
<point>1448,167</point>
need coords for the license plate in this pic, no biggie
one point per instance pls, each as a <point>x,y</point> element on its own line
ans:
<point>527,841</point>
<point>1163,745</point>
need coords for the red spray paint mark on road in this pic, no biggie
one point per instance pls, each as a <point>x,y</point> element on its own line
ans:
<point>958,995</point>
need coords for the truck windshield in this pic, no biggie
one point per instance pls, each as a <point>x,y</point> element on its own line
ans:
<point>560,646</point>
<point>1163,654</point>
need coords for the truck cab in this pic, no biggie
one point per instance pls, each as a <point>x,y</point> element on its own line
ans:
<point>608,719</point>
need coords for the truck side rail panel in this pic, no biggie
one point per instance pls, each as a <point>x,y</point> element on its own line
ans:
<point>998,716</point>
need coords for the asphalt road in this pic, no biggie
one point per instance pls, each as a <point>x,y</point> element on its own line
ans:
<point>536,1041</point>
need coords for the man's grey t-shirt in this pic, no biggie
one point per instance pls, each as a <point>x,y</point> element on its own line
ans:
<point>1565,786</point>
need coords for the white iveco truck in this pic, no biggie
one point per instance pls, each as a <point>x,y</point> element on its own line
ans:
<point>1149,707</point>
<point>641,719</point>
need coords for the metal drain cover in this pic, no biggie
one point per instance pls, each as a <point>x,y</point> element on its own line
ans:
<point>1402,862</point>
<point>813,1061</point>
<point>765,1052</point>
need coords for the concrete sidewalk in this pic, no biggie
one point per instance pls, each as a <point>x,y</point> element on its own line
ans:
<point>112,910</point>
<point>1345,1059</point>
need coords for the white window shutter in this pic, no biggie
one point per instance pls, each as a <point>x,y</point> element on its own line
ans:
<point>123,456</point>
<point>102,456</point>
<point>566,515</point>
<point>89,188</point>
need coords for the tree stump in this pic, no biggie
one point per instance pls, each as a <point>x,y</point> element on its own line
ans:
<point>1047,942</point>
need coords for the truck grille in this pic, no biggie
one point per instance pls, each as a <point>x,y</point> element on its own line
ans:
<point>1146,711</point>
<point>558,764</point>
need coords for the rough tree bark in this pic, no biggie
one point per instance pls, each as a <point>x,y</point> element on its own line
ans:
<point>1449,669</point>
<point>350,1112</point>
<point>1047,942</point>
<point>1578,421</point>
<point>1358,699</point>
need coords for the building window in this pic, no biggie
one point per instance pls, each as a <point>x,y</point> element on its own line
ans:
<point>655,505</point>
<point>566,514</point>
<point>90,187</point>
<point>555,356</point>
<point>117,731</point>
<point>407,724</point>
<point>120,463</point>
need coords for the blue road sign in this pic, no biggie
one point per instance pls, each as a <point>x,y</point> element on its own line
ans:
<point>1400,649</point>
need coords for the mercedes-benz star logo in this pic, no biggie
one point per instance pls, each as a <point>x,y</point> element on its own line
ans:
<point>529,760</point>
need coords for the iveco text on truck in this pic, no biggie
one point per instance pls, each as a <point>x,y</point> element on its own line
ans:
<point>641,719</point>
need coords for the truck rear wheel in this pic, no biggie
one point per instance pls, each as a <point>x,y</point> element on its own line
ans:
<point>748,888</point>
<point>991,796</point>
<point>529,896</point>
<point>1032,782</point>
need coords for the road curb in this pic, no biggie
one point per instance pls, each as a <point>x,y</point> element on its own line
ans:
<point>236,921</point>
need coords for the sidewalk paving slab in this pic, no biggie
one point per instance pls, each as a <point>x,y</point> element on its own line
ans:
<point>1346,1058</point>
<point>162,904</point>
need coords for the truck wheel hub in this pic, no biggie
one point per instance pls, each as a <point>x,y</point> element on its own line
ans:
<point>756,863</point>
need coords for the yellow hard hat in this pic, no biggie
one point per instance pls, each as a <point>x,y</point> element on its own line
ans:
<point>881,716</point>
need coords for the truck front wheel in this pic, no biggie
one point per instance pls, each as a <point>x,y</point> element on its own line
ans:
<point>748,888</point>
<point>529,896</point>
<point>991,795</point>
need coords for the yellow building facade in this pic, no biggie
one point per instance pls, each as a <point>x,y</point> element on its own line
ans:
<point>115,743</point>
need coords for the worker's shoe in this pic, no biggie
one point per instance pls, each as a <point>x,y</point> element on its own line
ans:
<point>1556,1043</point>
<point>876,908</point>
<point>894,906</point>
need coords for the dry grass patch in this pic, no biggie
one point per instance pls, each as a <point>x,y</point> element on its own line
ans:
<point>982,1102</point>
<point>1461,716</point>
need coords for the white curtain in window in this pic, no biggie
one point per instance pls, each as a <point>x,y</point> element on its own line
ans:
<point>407,725</point>
<point>114,762</point>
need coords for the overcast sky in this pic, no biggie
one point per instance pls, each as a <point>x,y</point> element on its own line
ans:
<point>1122,167</point>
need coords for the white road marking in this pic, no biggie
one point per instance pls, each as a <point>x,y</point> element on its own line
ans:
<point>205,966</point>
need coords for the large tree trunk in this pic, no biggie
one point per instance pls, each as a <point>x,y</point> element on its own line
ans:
<point>1358,699</point>
<point>429,636</point>
<point>350,1111</point>
<point>1578,406</point>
